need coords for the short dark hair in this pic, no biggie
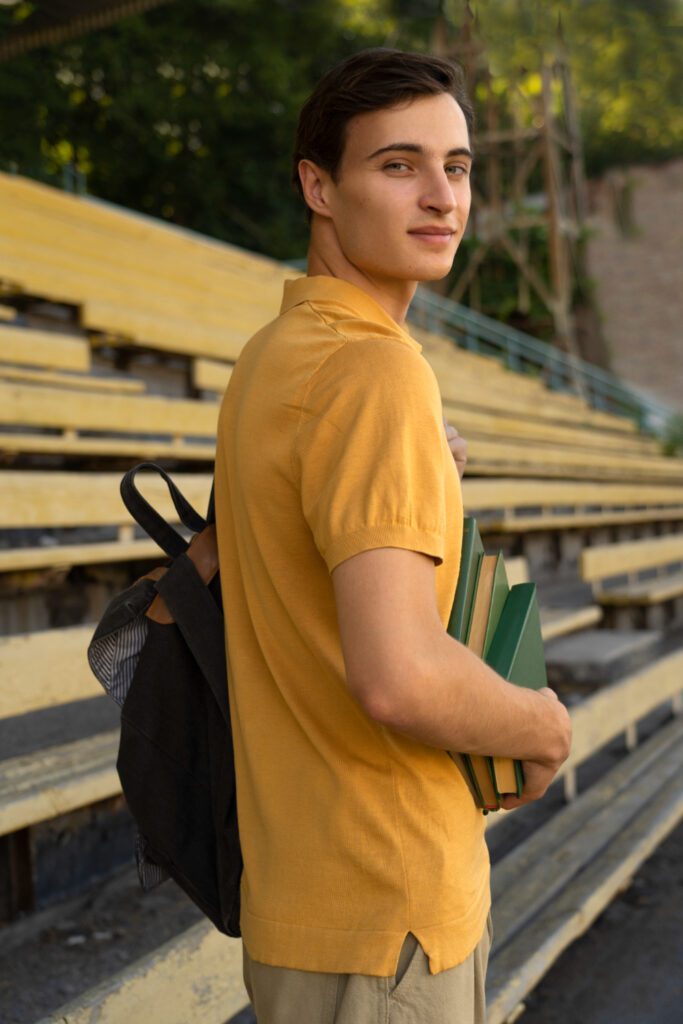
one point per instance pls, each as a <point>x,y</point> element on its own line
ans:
<point>372,79</point>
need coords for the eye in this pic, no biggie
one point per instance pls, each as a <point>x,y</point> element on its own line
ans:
<point>457,170</point>
<point>396,165</point>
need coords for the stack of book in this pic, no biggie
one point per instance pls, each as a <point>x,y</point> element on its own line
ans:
<point>502,625</point>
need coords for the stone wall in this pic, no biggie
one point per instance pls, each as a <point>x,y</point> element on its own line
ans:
<point>635,260</point>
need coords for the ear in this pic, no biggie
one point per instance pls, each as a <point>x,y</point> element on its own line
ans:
<point>316,184</point>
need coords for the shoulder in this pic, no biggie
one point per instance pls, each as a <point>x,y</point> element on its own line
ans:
<point>373,362</point>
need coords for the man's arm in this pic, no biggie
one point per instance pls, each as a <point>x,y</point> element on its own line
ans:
<point>410,675</point>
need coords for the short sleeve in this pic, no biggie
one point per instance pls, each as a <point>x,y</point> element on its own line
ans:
<point>370,451</point>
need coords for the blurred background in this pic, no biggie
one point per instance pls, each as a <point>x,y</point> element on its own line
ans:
<point>128,288</point>
<point>186,112</point>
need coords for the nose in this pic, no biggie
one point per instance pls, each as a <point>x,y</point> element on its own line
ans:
<point>438,193</point>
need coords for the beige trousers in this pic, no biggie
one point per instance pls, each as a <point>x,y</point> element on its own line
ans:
<point>281,995</point>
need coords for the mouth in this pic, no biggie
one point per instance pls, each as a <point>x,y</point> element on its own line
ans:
<point>433,236</point>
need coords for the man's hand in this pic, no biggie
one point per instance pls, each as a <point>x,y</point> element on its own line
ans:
<point>458,447</point>
<point>539,775</point>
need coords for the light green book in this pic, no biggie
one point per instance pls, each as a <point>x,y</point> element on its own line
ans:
<point>458,627</point>
<point>489,598</point>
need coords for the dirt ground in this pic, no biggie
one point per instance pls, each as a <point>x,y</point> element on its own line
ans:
<point>627,969</point>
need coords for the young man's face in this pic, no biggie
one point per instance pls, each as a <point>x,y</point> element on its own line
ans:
<point>402,196</point>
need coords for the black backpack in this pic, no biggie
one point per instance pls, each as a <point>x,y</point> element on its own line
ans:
<point>159,652</point>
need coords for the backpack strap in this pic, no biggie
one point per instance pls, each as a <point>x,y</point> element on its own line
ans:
<point>211,511</point>
<point>168,539</point>
<point>200,621</point>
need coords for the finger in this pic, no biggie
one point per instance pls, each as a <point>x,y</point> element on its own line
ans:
<point>508,803</point>
<point>458,447</point>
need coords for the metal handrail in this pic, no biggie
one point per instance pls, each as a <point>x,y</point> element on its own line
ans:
<point>560,370</point>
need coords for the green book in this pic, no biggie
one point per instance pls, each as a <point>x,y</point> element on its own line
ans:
<point>472,551</point>
<point>516,653</point>
<point>459,622</point>
<point>483,630</point>
<point>490,594</point>
<point>501,625</point>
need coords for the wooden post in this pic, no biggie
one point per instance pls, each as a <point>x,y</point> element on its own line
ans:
<point>16,875</point>
<point>126,533</point>
<point>631,737</point>
<point>570,785</point>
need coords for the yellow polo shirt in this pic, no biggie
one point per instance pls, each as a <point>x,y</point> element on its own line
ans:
<point>331,442</point>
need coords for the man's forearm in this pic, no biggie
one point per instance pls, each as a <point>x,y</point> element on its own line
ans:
<point>459,703</point>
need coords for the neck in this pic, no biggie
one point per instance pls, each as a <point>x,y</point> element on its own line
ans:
<point>326,257</point>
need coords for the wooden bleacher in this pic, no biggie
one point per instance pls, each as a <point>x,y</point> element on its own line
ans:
<point>487,412</point>
<point>541,464</point>
<point>90,424</point>
<point>546,892</point>
<point>52,500</point>
<point>48,349</point>
<point>656,599</point>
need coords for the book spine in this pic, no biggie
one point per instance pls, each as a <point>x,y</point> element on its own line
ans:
<point>505,774</point>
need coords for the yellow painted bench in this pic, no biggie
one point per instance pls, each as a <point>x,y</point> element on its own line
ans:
<point>186,428</point>
<point>216,325</point>
<point>24,689</point>
<point>523,396</point>
<point>554,621</point>
<point>547,891</point>
<point>70,381</point>
<point>438,351</point>
<point>62,499</point>
<point>161,426</point>
<point>475,423</point>
<point>505,503</point>
<point>49,349</point>
<point>162,307</point>
<point>208,315</point>
<point>193,299</point>
<point>75,774</point>
<point>36,499</point>
<point>44,406</point>
<point>530,458</point>
<point>487,406</point>
<point>605,562</point>
<point>99,221</point>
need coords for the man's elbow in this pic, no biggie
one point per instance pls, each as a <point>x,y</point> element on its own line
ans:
<point>390,697</point>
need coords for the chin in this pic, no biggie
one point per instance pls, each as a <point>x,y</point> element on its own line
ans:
<point>433,275</point>
<point>434,272</point>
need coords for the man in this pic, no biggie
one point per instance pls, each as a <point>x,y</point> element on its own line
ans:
<point>365,894</point>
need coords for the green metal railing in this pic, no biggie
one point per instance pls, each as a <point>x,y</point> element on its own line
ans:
<point>561,371</point>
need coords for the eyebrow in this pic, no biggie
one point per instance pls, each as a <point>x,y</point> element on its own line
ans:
<point>412,147</point>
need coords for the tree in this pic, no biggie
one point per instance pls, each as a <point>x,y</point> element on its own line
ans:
<point>187,113</point>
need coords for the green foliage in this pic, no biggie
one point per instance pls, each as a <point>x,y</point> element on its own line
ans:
<point>187,113</point>
<point>672,442</point>
<point>626,58</point>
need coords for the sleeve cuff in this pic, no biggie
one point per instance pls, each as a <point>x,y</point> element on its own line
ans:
<point>390,535</point>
